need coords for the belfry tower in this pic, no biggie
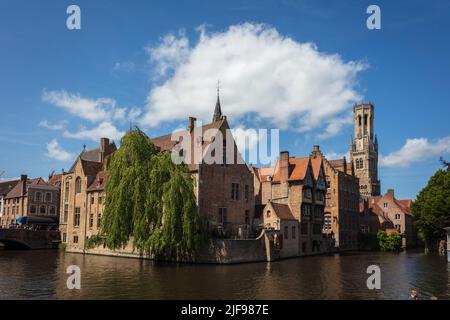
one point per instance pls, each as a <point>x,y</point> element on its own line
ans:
<point>364,150</point>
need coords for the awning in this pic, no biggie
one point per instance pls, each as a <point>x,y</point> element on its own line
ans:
<point>21,220</point>
<point>36,220</point>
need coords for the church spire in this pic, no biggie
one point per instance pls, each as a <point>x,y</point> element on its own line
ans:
<point>217,110</point>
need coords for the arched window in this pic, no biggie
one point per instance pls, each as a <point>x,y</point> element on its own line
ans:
<point>359,121</point>
<point>43,210</point>
<point>78,185</point>
<point>365,119</point>
<point>48,197</point>
<point>268,214</point>
<point>38,196</point>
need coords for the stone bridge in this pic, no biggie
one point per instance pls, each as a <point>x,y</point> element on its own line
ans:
<point>29,239</point>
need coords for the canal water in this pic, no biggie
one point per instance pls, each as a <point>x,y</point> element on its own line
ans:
<point>42,275</point>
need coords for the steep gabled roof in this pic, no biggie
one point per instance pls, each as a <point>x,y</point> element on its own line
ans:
<point>282,211</point>
<point>16,191</point>
<point>263,173</point>
<point>297,169</point>
<point>7,186</point>
<point>99,182</point>
<point>316,165</point>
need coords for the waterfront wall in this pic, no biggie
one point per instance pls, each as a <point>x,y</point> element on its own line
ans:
<point>29,239</point>
<point>217,251</point>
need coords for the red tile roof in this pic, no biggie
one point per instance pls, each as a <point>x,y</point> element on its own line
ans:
<point>297,169</point>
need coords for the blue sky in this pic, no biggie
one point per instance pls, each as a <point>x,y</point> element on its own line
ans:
<point>132,61</point>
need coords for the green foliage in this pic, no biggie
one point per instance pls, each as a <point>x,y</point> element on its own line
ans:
<point>389,242</point>
<point>150,199</point>
<point>431,208</point>
<point>62,246</point>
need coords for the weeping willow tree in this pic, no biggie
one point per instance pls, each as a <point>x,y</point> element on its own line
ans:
<point>150,199</point>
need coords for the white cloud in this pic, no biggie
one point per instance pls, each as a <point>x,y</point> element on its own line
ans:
<point>263,74</point>
<point>126,66</point>
<point>104,130</point>
<point>94,110</point>
<point>170,54</point>
<point>53,126</point>
<point>55,152</point>
<point>334,126</point>
<point>336,155</point>
<point>416,150</point>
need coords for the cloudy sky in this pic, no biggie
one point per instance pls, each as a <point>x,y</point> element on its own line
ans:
<point>298,66</point>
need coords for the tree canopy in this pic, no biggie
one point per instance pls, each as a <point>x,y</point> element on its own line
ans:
<point>432,208</point>
<point>149,199</point>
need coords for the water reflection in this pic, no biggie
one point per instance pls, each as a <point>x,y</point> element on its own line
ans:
<point>42,275</point>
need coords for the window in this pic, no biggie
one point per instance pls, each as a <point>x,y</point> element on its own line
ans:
<point>223,216</point>
<point>224,153</point>
<point>286,232</point>
<point>66,212</point>
<point>364,229</point>
<point>385,204</point>
<point>38,196</point>
<point>235,191</point>
<point>64,237</point>
<point>359,121</point>
<point>66,192</point>
<point>99,220</point>
<point>304,228</point>
<point>307,194</point>
<point>76,218</point>
<point>317,228</point>
<point>365,119</point>
<point>43,210</point>
<point>92,200</point>
<point>397,216</point>
<point>247,217</point>
<point>268,214</point>
<point>304,247</point>
<point>91,221</point>
<point>48,197</point>
<point>100,199</point>
<point>75,239</point>
<point>78,185</point>
<point>32,209</point>
<point>327,221</point>
<point>319,196</point>
<point>306,210</point>
<point>398,227</point>
<point>293,232</point>
<point>246,192</point>
<point>359,164</point>
<point>52,210</point>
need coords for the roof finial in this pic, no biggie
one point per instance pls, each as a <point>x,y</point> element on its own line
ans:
<point>218,110</point>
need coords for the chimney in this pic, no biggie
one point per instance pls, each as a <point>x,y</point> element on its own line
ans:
<point>390,192</point>
<point>23,180</point>
<point>192,121</point>
<point>284,165</point>
<point>104,143</point>
<point>316,151</point>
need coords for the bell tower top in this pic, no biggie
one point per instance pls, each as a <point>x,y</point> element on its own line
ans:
<point>363,120</point>
<point>364,149</point>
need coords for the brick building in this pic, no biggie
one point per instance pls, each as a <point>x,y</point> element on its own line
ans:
<point>294,187</point>
<point>224,191</point>
<point>32,201</point>
<point>224,188</point>
<point>82,195</point>
<point>342,202</point>
<point>5,187</point>
<point>388,213</point>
